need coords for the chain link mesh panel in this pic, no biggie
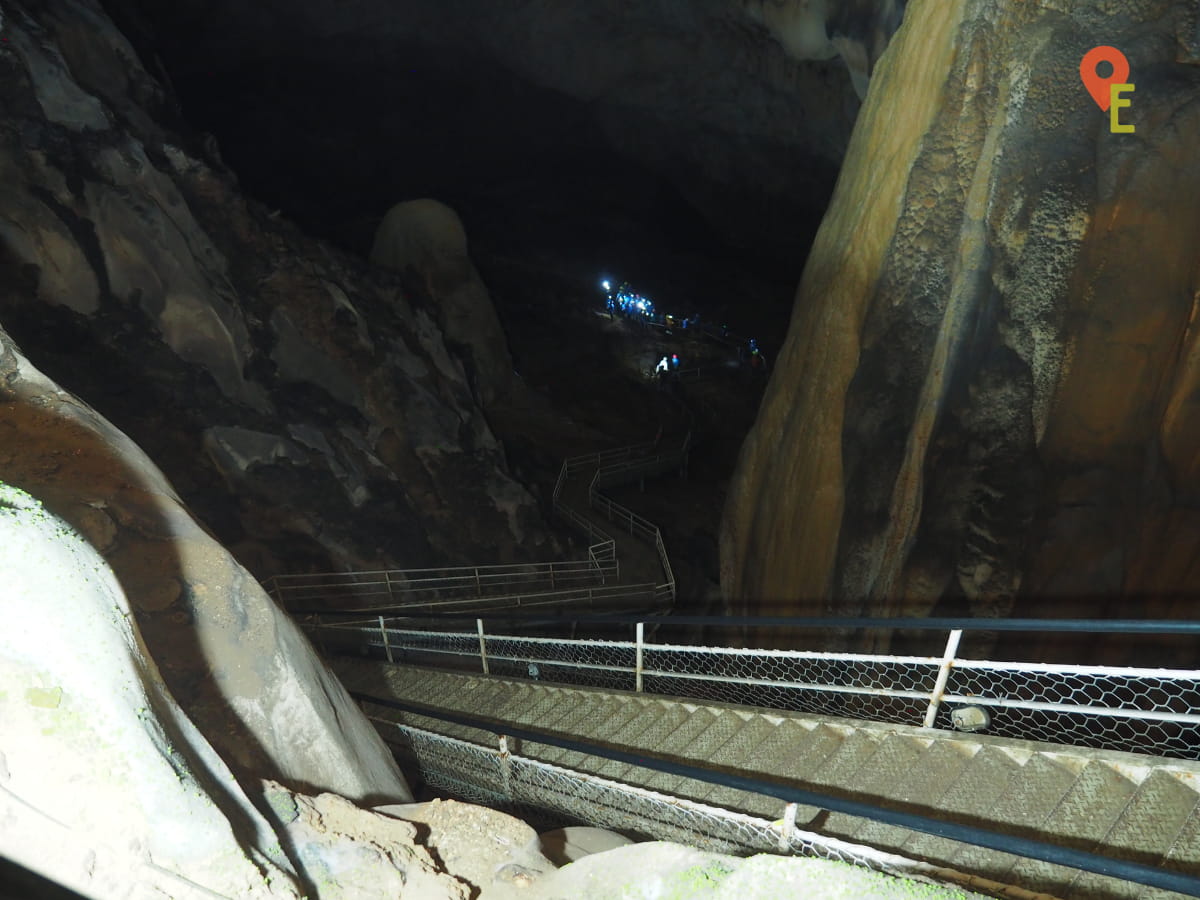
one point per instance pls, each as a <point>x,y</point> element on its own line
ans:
<point>1149,711</point>
<point>542,791</point>
<point>1146,711</point>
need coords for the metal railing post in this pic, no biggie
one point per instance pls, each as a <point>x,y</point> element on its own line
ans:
<point>506,768</point>
<point>788,824</point>
<point>387,580</point>
<point>387,648</point>
<point>939,687</point>
<point>641,639</point>
<point>478,586</point>
<point>482,647</point>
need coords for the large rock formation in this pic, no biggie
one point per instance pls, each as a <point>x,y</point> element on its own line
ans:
<point>428,237</point>
<point>987,400</point>
<point>303,402</point>
<point>237,665</point>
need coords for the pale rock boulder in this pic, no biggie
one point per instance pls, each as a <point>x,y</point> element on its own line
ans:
<point>104,781</point>
<point>662,869</point>
<point>239,667</point>
<point>428,236</point>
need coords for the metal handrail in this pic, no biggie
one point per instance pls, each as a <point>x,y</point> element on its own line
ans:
<point>480,582</point>
<point>572,596</point>
<point>1030,848</point>
<point>1060,703</point>
<point>475,580</point>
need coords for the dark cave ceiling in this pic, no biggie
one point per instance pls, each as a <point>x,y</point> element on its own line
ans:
<point>715,125</point>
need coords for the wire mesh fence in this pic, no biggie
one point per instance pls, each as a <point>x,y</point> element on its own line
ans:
<point>1139,710</point>
<point>541,791</point>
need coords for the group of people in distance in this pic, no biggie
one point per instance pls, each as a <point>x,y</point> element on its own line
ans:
<point>625,300</point>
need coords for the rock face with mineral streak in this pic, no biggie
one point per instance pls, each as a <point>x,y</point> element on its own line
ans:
<point>988,394</point>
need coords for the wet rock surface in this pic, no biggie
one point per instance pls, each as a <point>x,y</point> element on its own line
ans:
<point>981,409</point>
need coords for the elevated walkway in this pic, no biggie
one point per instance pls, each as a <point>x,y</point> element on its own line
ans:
<point>1121,805</point>
<point>626,569</point>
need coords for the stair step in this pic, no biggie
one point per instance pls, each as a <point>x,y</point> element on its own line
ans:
<point>732,756</point>
<point>467,696</point>
<point>1184,855</point>
<point>639,735</point>
<point>1033,793</point>
<point>1147,829</point>
<point>574,711</point>
<point>678,743</point>
<point>971,797</point>
<point>848,757</point>
<point>807,751</point>
<point>786,755</point>
<point>784,740</point>
<point>720,728</point>
<point>605,727</point>
<point>888,765</point>
<point>508,704</point>
<point>921,789</point>
<point>560,712</point>
<point>567,727</point>
<point>1090,808</point>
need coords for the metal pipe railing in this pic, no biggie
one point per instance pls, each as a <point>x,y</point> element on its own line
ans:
<point>1141,710</point>
<point>382,588</point>
<point>970,834</point>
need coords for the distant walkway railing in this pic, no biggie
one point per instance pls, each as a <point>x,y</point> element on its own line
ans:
<point>474,588</point>
<point>400,585</point>
<point>1140,710</point>
<point>613,598</point>
<point>624,466</point>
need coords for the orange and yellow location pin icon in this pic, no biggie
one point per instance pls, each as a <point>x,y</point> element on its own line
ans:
<point>1106,90</point>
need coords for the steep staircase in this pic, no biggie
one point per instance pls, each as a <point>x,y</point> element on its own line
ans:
<point>1126,806</point>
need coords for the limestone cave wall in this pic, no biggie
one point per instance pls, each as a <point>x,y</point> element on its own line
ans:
<point>987,402</point>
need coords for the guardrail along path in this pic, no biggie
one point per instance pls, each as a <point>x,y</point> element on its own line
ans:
<point>1121,805</point>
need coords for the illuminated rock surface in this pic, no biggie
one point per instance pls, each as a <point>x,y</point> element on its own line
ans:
<point>987,400</point>
<point>238,666</point>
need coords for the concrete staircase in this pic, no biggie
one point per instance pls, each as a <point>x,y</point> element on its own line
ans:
<point>1126,806</point>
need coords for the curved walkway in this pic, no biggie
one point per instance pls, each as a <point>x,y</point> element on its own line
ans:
<point>626,569</point>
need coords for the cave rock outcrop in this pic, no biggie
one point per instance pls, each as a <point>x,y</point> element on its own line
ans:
<point>237,665</point>
<point>428,237</point>
<point>988,398</point>
<point>304,404</point>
